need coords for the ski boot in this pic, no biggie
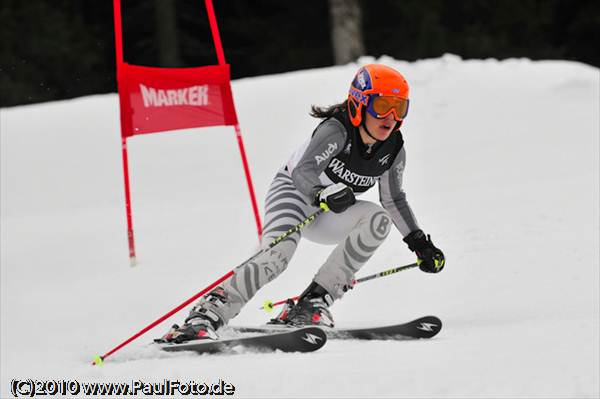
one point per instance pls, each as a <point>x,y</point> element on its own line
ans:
<point>312,309</point>
<point>281,318</point>
<point>202,322</point>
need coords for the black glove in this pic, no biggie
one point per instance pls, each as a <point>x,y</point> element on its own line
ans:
<point>336,197</point>
<point>429,258</point>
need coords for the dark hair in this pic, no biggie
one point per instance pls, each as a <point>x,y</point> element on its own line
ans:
<point>327,112</point>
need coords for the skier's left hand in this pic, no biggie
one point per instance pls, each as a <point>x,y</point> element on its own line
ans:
<point>429,258</point>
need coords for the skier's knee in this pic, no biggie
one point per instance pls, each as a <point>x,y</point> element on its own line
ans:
<point>380,223</point>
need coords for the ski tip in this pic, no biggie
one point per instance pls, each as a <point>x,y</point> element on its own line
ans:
<point>433,319</point>
<point>312,338</point>
<point>428,325</point>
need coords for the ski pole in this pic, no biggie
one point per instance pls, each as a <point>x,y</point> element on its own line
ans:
<point>384,273</point>
<point>269,305</point>
<point>291,231</point>
<point>99,360</point>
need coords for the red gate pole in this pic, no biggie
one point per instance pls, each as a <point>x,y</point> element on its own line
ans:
<point>130,240</point>
<point>238,132</point>
<point>214,29</point>
<point>119,55</point>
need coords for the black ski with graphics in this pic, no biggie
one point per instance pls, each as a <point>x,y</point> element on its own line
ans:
<point>305,339</point>
<point>424,327</point>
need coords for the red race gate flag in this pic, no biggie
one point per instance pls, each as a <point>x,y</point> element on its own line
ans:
<point>158,99</point>
<point>161,99</point>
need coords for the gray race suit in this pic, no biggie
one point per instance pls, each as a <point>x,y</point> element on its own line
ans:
<point>324,159</point>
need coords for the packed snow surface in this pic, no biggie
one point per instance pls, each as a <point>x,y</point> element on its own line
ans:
<point>502,171</point>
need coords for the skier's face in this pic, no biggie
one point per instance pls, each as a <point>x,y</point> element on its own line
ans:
<point>380,128</point>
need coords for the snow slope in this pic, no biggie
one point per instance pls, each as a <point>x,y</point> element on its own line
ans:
<point>503,172</point>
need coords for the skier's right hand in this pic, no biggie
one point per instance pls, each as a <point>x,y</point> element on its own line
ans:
<point>335,197</point>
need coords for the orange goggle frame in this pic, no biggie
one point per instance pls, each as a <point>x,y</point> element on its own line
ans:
<point>381,106</point>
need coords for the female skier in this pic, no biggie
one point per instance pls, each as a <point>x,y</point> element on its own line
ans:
<point>357,144</point>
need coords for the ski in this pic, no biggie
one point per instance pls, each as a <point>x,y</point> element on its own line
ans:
<point>424,327</point>
<point>306,339</point>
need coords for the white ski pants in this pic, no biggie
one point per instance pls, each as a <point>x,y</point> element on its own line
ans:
<point>357,233</point>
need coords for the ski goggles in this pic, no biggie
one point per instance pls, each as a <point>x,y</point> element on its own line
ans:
<point>381,106</point>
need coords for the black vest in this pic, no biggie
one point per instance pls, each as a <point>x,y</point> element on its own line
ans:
<point>355,165</point>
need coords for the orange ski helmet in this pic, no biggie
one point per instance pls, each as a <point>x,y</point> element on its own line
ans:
<point>379,90</point>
